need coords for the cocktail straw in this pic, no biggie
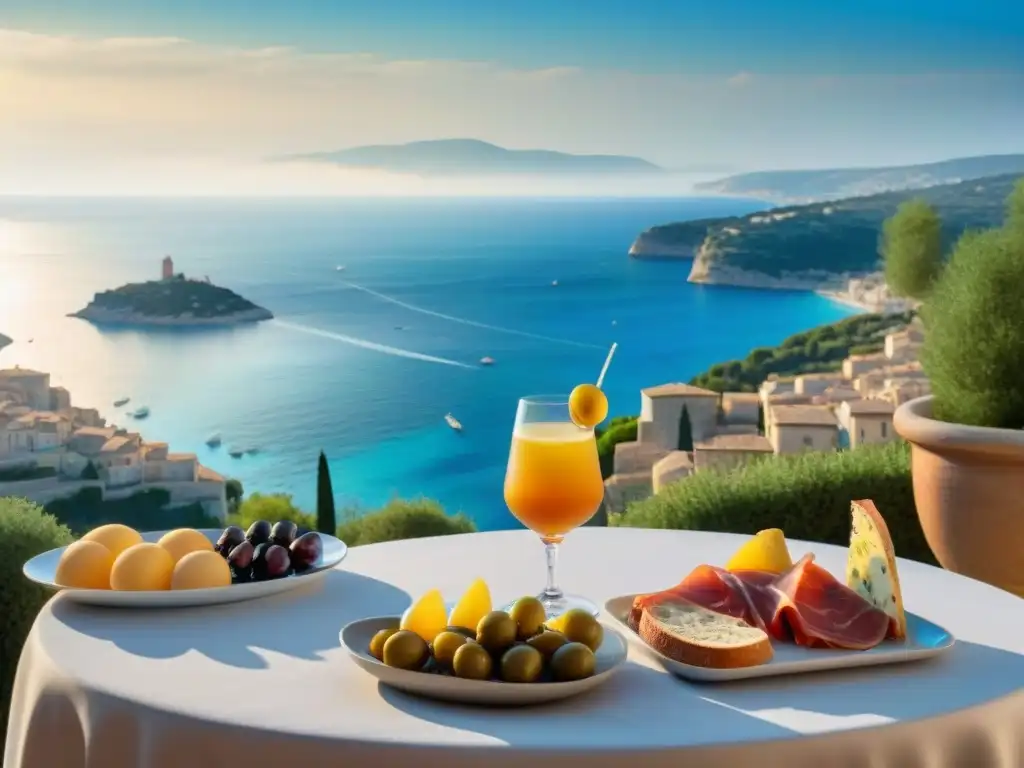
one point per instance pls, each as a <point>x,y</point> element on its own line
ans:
<point>607,362</point>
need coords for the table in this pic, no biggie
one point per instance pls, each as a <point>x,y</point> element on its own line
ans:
<point>265,683</point>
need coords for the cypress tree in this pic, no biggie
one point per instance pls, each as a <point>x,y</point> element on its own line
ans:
<point>685,431</point>
<point>325,518</point>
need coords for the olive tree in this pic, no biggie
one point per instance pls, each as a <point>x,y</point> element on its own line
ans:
<point>912,249</point>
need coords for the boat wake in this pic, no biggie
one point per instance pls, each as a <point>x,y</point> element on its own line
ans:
<point>464,321</point>
<point>371,345</point>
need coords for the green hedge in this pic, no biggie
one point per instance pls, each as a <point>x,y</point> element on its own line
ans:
<point>25,531</point>
<point>401,519</point>
<point>621,429</point>
<point>806,495</point>
<point>147,510</point>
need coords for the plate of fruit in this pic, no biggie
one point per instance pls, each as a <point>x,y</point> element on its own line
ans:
<point>476,655</point>
<point>115,565</point>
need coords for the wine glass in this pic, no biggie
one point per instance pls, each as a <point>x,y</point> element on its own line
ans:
<point>553,484</point>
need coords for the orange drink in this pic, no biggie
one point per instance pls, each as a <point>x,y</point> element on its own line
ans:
<point>553,483</point>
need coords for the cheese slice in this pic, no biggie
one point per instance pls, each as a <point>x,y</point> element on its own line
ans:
<point>871,564</point>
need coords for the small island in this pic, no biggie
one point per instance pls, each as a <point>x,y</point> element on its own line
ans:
<point>173,300</point>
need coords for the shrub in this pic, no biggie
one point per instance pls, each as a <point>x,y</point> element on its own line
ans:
<point>234,492</point>
<point>974,342</point>
<point>401,519</point>
<point>912,248</point>
<point>271,507</point>
<point>807,495</point>
<point>622,429</point>
<point>25,531</point>
<point>147,510</point>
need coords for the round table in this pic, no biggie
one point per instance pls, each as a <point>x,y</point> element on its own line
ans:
<point>266,683</point>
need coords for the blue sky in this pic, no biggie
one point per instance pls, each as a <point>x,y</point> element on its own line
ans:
<point>792,36</point>
<point>732,84</point>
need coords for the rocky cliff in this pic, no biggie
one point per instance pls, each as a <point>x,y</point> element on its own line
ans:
<point>817,246</point>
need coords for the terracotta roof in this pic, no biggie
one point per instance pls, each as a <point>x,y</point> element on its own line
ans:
<point>824,376</point>
<point>743,443</point>
<point>208,475</point>
<point>788,398</point>
<point>181,457</point>
<point>104,432</point>
<point>118,444</point>
<point>870,407</point>
<point>803,415</point>
<point>678,390</point>
<point>740,397</point>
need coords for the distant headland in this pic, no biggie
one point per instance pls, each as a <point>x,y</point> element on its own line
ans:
<point>173,300</point>
<point>819,246</point>
<point>471,157</point>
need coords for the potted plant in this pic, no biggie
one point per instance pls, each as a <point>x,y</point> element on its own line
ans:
<point>967,437</point>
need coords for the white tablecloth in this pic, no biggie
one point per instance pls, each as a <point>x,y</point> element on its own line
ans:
<point>265,683</point>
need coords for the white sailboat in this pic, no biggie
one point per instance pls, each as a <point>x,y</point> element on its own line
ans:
<point>453,422</point>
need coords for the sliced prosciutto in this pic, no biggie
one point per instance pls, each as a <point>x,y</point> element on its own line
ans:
<point>805,605</point>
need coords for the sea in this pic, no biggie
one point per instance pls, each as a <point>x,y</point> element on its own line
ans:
<point>364,362</point>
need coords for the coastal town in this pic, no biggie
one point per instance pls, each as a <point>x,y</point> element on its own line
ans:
<point>51,449</point>
<point>831,411</point>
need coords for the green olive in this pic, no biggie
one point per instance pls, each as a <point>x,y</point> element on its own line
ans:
<point>529,615</point>
<point>467,631</point>
<point>547,642</point>
<point>377,642</point>
<point>445,645</point>
<point>405,650</point>
<point>573,661</point>
<point>580,627</point>
<point>521,664</point>
<point>496,632</point>
<point>472,662</point>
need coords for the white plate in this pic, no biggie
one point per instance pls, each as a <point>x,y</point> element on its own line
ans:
<point>923,641</point>
<point>355,637</point>
<point>42,568</point>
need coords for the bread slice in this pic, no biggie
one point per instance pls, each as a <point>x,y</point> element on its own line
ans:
<point>693,635</point>
<point>871,563</point>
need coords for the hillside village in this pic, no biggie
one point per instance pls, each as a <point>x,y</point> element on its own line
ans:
<point>819,411</point>
<point>50,449</point>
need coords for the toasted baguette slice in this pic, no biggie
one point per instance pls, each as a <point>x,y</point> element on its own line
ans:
<point>871,564</point>
<point>693,635</point>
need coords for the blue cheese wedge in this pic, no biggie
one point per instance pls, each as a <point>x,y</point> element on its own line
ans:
<point>871,563</point>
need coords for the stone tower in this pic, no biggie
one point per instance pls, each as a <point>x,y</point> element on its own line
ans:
<point>167,270</point>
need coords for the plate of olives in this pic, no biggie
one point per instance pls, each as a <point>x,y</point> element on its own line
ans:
<point>500,662</point>
<point>262,561</point>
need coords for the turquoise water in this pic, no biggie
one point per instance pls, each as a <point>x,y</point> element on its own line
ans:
<point>364,363</point>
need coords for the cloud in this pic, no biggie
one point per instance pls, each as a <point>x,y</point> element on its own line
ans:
<point>97,109</point>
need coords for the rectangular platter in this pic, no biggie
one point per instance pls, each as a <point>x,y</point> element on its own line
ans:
<point>924,640</point>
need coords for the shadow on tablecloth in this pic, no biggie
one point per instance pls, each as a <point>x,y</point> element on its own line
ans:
<point>649,702</point>
<point>301,623</point>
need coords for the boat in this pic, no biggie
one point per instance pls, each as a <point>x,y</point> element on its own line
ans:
<point>121,401</point>
<point>252,451</point>
<point>339,268</point>
<point>141,413</point>
<point>453,422</point>
<point>615,322</point>
<point>236,453</point>
<point>214,440</point>
<point>554,283</point>
<point>486,361</point>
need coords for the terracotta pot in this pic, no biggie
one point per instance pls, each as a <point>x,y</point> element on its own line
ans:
<point>969,492</point>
